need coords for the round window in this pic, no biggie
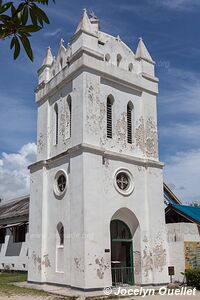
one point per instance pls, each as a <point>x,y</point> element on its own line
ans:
<point>123,182</point>
<point>60,183</point>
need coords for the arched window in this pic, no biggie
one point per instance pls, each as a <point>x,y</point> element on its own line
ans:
<point>119,58</point>
<point>110,101</point>
<point>60,229</point>
<point>129,123</point>
<point>56,123</point>
<point>61,63</point>
<point>130,67</point>
<point>107,57</point>
<point>69,116</point>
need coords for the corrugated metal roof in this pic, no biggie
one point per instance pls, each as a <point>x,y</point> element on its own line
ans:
<point>15,208</point>
<point>191,211</point>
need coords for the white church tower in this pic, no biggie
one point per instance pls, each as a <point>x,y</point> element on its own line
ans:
<point>97,210</point>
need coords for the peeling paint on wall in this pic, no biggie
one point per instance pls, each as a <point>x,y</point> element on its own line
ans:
<point>139,134</point>
<point>40,143</point>
<point>95,109</point>
<point>151,139</point>
<point>78,264</point>
<point>147,261</point>
<point>38,262</point>
<point>102,266</point>
<point>159,256</point>
<point>121,129</point>
<point>137,262</point>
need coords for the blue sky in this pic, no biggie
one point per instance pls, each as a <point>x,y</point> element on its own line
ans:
<point>170,30</point>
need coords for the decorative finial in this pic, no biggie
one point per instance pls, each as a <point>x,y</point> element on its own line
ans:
<point>118,38</point>
<point>140,38</point>
<point>84,10</point>
<point>92,15</point>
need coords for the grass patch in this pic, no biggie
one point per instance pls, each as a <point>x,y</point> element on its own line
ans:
<point>8,288</point>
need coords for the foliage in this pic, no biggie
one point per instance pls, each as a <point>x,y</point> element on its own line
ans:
<point>193,277</point>
<point>195,204</point>
<point>18,22</point>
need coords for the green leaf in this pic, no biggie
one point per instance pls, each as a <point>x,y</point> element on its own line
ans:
<point>31,28</point>
<point>27,46</point>
<point>17,48</point>
<point>12,43</point>
<point>41,15</point>
<point>25,15</point>
<point>13,9</point>
<point>33,16</point>
<point>5,7</point>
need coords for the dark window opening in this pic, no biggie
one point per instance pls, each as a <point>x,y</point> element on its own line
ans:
<point>19,234</point>
<point>60,229</point>
<point>2,235</point>
<point>61,183</point>
<point>129,124</point>
<point>69,101</point>
<point>56,123</point>
<point>109,118</point>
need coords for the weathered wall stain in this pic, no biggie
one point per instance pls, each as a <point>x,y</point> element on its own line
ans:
<point>78,264</point>
<point>147,261</point>
<point>38,262</point>
<point>95,109</point>
<point>137,262</point>
<point>159,256</point>
<point>151,142</point>
<point>102,266</point>
<point>139,134</point>
<point>121,129</point>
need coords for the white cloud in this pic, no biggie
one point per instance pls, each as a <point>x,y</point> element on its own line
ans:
<point>186,133</point>
<point>14,175</point>
<point>53,33</point>
<point>182,94</point>
<point>182,171</point>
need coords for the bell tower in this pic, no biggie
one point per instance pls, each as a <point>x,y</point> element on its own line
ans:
<point>96,209</point>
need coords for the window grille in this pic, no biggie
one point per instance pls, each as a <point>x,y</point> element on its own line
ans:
<point>109,119</point>
<point>129,124</point>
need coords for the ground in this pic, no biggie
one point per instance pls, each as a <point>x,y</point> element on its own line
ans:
<point>9,290</point>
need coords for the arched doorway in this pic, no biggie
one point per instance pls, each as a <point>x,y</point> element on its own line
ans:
<point>121,253</point>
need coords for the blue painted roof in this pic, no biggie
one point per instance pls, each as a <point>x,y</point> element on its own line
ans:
<point>190,211</point>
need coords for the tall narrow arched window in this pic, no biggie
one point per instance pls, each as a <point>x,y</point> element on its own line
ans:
<point>56,123</point>
<point>110,102</point>
<point>69,116</point>
<point>60,229</point>
<point>119,58</point>
<point>130,123</point>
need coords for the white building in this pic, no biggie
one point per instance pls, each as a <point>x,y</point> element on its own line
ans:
<point>96,209</point>
<point>14,220</point>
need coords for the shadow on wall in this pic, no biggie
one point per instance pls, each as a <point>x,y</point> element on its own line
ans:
<point>13,249</point>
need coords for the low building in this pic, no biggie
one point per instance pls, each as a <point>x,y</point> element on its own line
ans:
<point>183,236</point>
<point>14,218</point>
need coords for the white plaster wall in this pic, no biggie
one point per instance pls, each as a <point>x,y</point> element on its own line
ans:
<point>96,91</point>
<point>91,199</point>
<point>12,261</point>
<point>177,233</point>
<point>101,201</point>
<point>38,226</point>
